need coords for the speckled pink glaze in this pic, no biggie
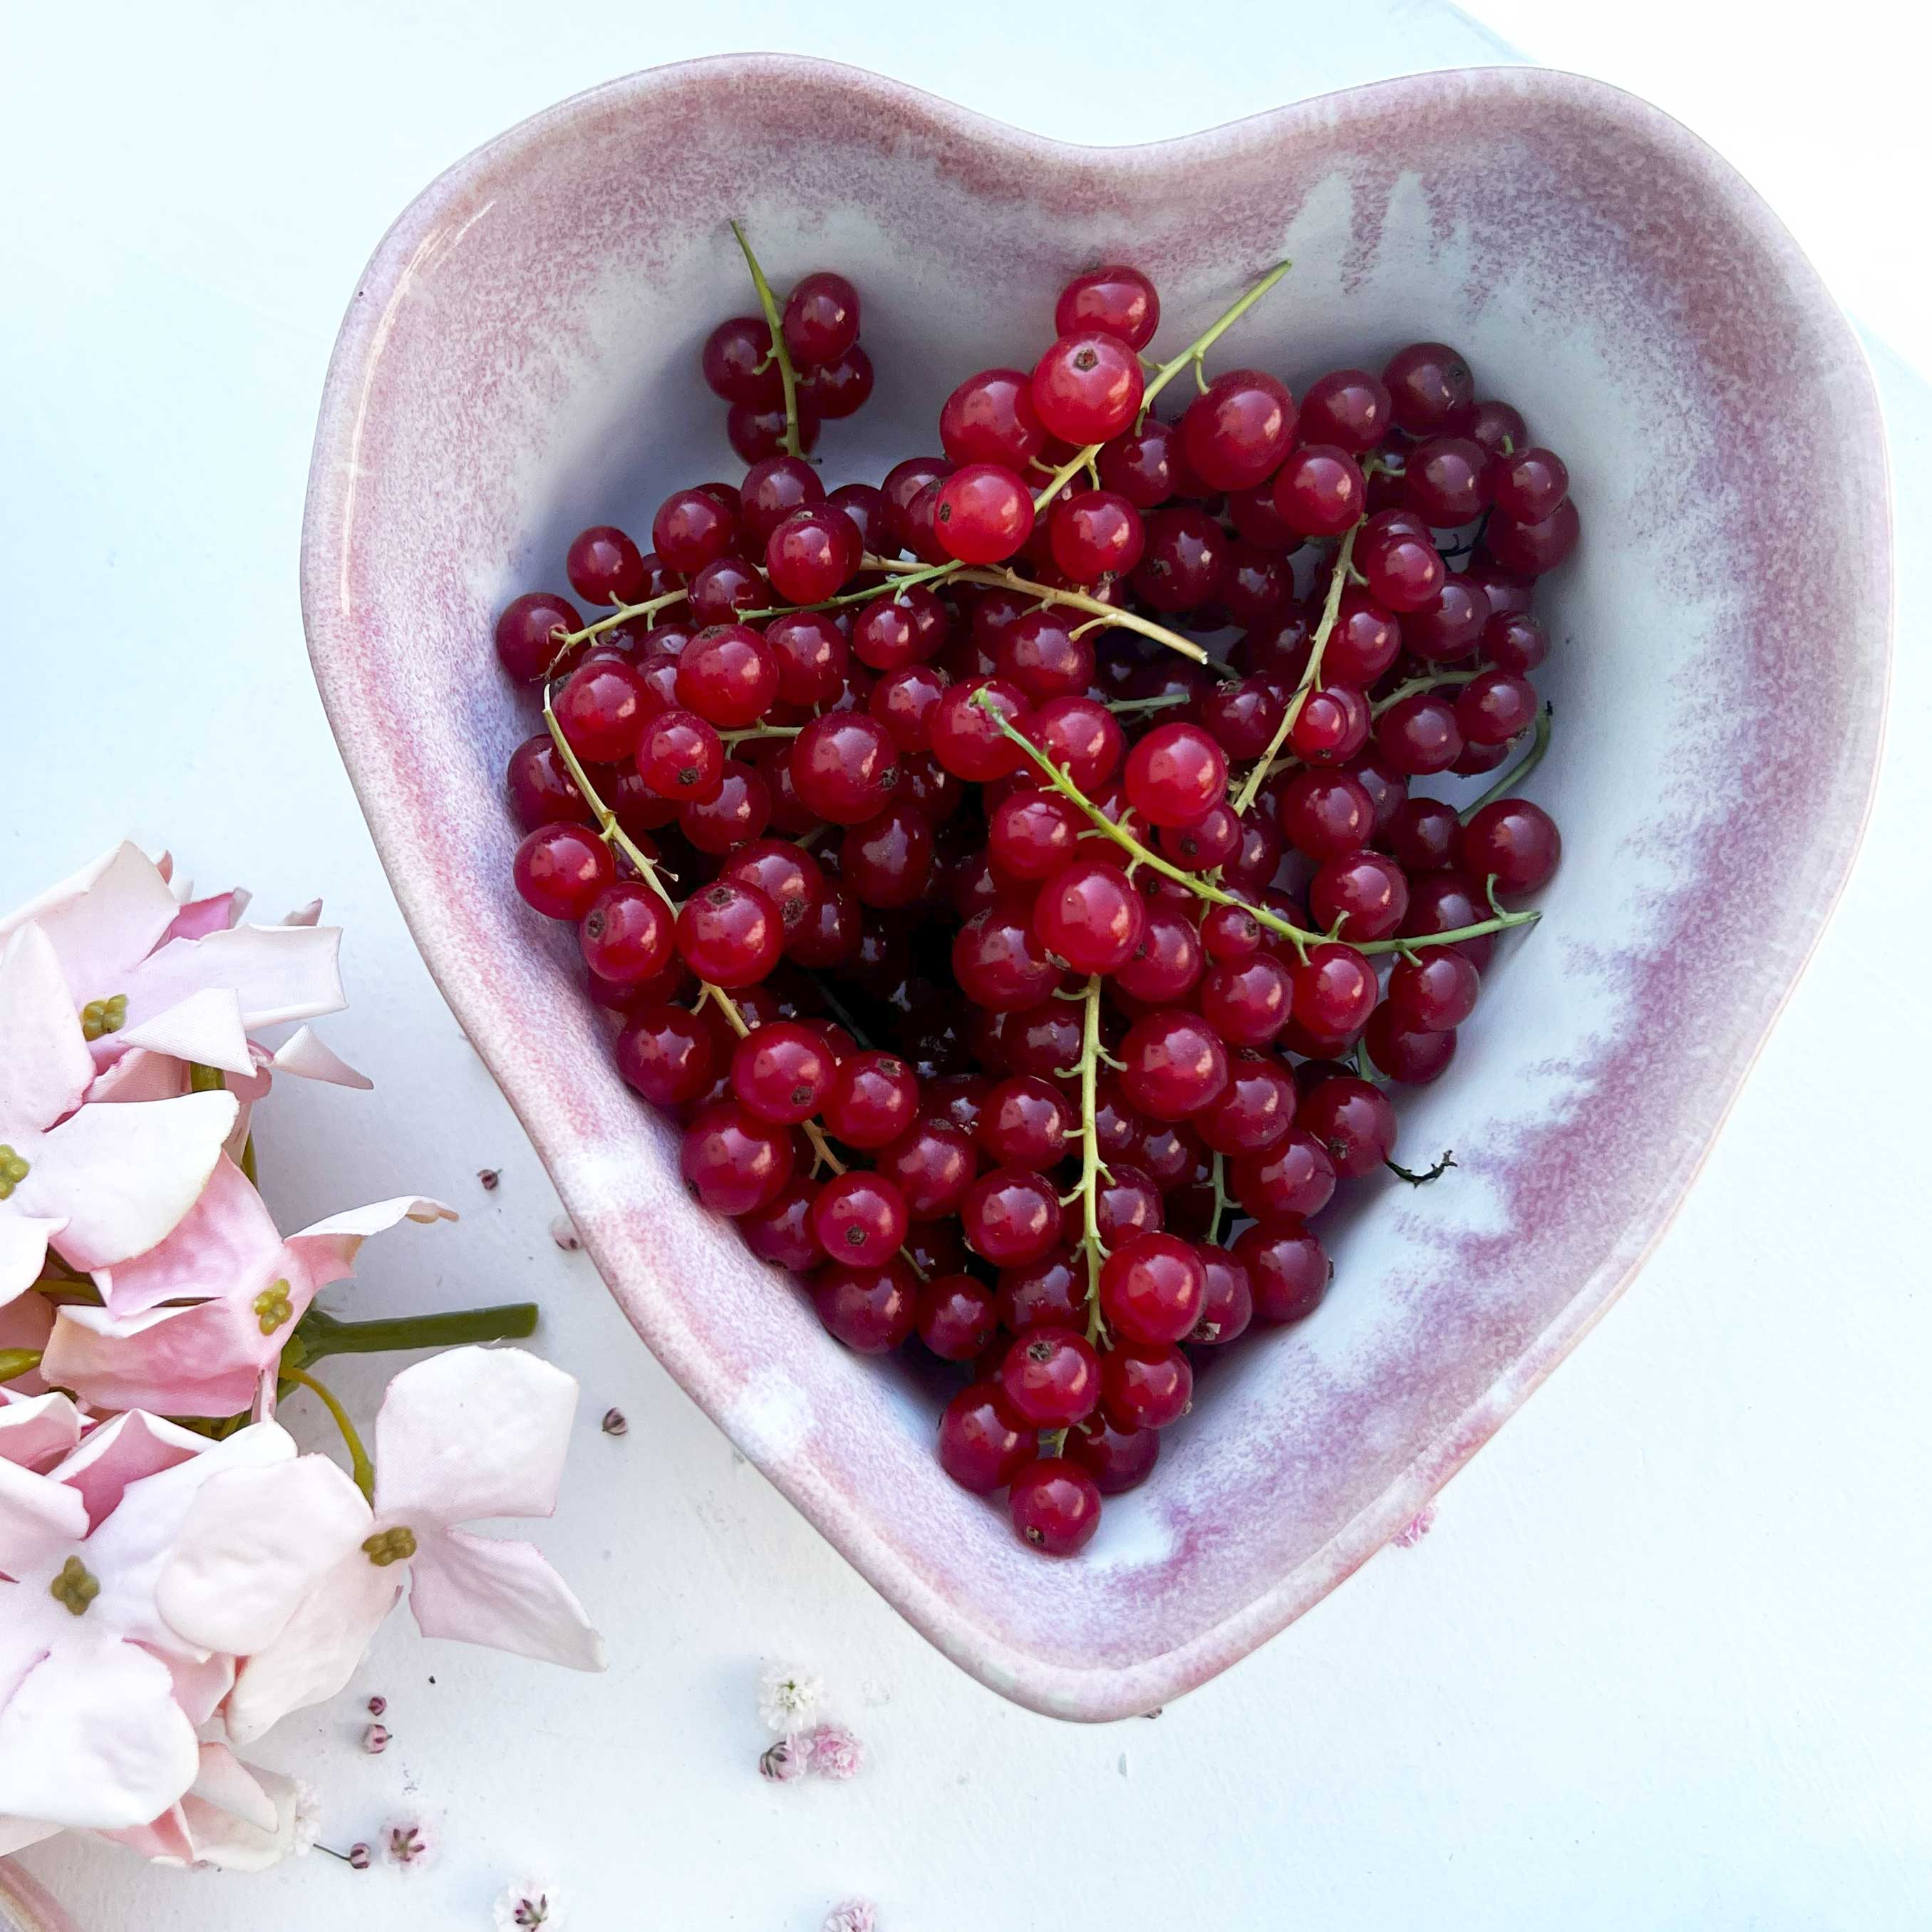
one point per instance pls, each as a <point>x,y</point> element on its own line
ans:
<point>521,360</point>
<point>27,1906</point>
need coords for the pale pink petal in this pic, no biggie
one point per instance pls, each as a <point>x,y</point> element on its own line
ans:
<point>225,1781</point>
<point>36,1431</point>
<point>198,918</point>
<point>17,1833</point>
<point>201,1361</point>
<point>277,972</point>
<point>103,933</point>
<point>224,1838</point>
<point>472,1432</point>
<point>139,1076</point>
<point>63,890</point>
<point>136,1545</point>
<point>125,1176</point>
<point>93,1737</point>
<point>38,1517</point>
<point>23,1251</point>
<point>304,1055</point>
<point>206,1027</point>
<point>255,1543</point>
<point>25,1323</point>
<point>200,1682</point>
<point>503,1594</point>
<point>226,1243</point>
<point>129,1449</point>
<point>44,1063</point>
<point>164,864</point>
<point>318,1648</point>
<point>328,1249</point>
<point>165,1840</point>
<point>306,915</point>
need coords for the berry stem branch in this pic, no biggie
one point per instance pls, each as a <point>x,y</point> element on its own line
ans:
<point>623,614</point>
<point>1300,936</point>
<point>1128,620</point>
<point>1506,784</point>
<point>769,303</point>
<point>1163,375</point>
<point>1331,609</point>
<point>1092,1167</point>
<point>1223,1201</point>
<point>1435,680</point>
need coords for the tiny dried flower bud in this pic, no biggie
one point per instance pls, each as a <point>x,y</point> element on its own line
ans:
<point>782,1762</point>
<point>563,1232</point>
<point>359,1856</point>
<point>376,1739</point>
<point>614,1423</point>
<point>856,1915</point>
<point>488,1178</point>
<point>407,1843</point>
<point>377,1706</point>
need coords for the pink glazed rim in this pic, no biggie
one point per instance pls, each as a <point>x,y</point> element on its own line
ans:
<point>402,767</point>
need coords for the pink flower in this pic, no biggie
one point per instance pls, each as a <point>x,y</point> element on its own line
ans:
<point>291,1569</point>
<point>784,1762</point>
<point>235,1816</point>
<point>1416,1528</point>
<point>409,1842</point>
<point>37,1431</point>
<point>102,1182</point>
<point>100,1696</point>
<point>832,1751</point>
<point>244,1287</point>
<point>144,971</point>
<point>856,1915</point>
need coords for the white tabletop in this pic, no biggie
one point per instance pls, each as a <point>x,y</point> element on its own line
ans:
<point>1661,1660</point>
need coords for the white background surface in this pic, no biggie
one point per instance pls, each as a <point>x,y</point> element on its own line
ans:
<point>1662,1660</point>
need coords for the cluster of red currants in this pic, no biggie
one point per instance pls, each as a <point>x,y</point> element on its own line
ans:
<point>890,742</point>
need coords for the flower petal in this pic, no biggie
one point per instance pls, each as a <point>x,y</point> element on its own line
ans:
<point>328,1249</point>
<point>38,1515</point>
<point>206,1027</point>
<point>44,1063</point>
<point>304,1055</point>
<point>115,921</point>
<point>254,1544</point>
<point>138,1075</point>
<point>197,918</point>
<point>93,1737</point>
<point>201,1361</point>
<point>226,1243</point>
<point>226,1837</point>
<point>129,1449</point>
<point>482,1589</point>
<point>304,915</point>
<point>225,1781</point>
<point>23,1251</point>
<point>318,1648</point>
<point>277,972</point>
<point>472,1432</point>
<point>200,1682</point>
<point>125,1176</point>
<point>36,1431</point>
<point>63,890</point>
<point>25,1322</point>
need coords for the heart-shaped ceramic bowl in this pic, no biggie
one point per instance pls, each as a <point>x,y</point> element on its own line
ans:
<point>521,360</point>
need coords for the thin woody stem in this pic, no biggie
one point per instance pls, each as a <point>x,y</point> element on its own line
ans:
<point>1434,680</point>
<point>1506,784</point>
<point>360,1466</point>
<point>1127,620</point>
<point>788,375</point>
<point>1092,1167</point>
<point>622,614</point>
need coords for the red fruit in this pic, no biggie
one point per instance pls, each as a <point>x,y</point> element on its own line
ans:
<point>990,418</point>
<point>967,742</point>
<point>1533,548</point>
<point>860,1218</point>
<point>1117,1460</point>
<point>932,1166</point>
<point>1090,915</point>
<point>1354,1123</point>
<point>1174,1064</point>
<point>782,1071</point>
<point>604,567</point>
<point>844,766</point>
<point>681,757</point>
<point>738,366</point>
<point>1350,408</point>
<point>780,1232</point>
<point>601,707</point>
<point>1335,992</point>
<point>983,1445</point>
<point>812,554</point>
<point>667,1053</point>
<point>1051,1377</point>
<point>955,1317</point>
<point>1012,1217</point>
<point>1118,301</point>
<point>732,1161</point>
<point>1086,387</point>
<point>530,634</point>
<point>1238,432</point>
<point>1513,841</point>
<point>1288,1270</point>
<point>821,319</point>
<point>1295,1177</point>
<point>1096,534</point>
<point>1230,1303</point>
<point>1319,491</point>
<point>1152,1288</point>
<point>984,515</point>
<point>874,1098</point>
<point>871,1310</point>
<point>730,934</point>
<point>1430,387</point>
<point>626,935</point>
<point>1055,1505</point>
<point>1176,775</point>
<point>1145,1388</point>
<point>1528,485</point>
<point>560,869</point>
<point>691,528</point>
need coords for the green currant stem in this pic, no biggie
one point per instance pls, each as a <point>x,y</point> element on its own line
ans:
<point>1163,375</point>
<point>1310,678</point>
<point>322,1335</point>
<point>1007,579</point>
<point>1506,784</point>
<point>1299,936</point>
<point>622,614</point>
<point>760,731</point>
<point>769,303</point>
<point>1223,1201</point>
<point>1435,680</point>
<point>360,1466</point>
<point>1122,707</point>
<point>15,1363</point>
<point>900,576</point>
<point>613,834</point>
<point>1092,1167</point>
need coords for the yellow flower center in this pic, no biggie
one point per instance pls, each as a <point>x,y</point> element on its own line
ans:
<point>13,1171</point>
<point>77,1586</point>
<point>100,1016</point>
<point>390,1546</point>
<point>272,1306</point>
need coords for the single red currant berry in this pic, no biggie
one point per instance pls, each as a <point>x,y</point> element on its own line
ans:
<point>1184,563</point>
<point>1350,408</point>
<point>1175,1065</point>
<point>1430,387</point>
<point>821,319</point>
<point>1514,643</point>
<point>1450,626</point>
<point>783,1072</point>
<point>730,934</point>
<point>990,418</point>
<point>1086,387</point>
<point>967,740</point>
<point>1055,1505</point>
<point>727,675</point>
<point>1247,1002</point>
<point>726,585</point>
<point>604,567</point>
<point>780,1232</point>
<point>680,756</point>
<point>1323,813</point>
<point>735,814</point>
<point>812,554</point>
<point>1419,734</point>
<point>666,1054</point>
<point>691,528</point>
<point>1288,1270</point>
<point>1361,896</point>
<point>1032,834</point>
<point>1229,1304</point>
<point>1295,1177</point>
<point>1152,1288</point>
<point>1090,915</point>
<point>1011,1217</point>
<point>811,654</point>
<point>1494,707</point>
<point>1000,963</point>
<point>844,766</point>
<point>1116,301</point>
<point>1448,901</point>
<point>1333,724</point>
<point>732,1161</point>
<point>1446,480</point>
<point>1528,485</point>
<point>1404,571</point>
<point>1117,1460</point>
<point>1238,432</point>
<point>739,365</point>
<point>1024,1122</point>
<point>1514,842</point>
<point>626,935</point>
<point>1210,842</point>
<point>1533,548</point>
<point>1354,1121</point>
<point>1051,1377</point>
<point>541,791</point>
<point>873,1099</point>
<point>1096,534</point>
<point>1434,991</point>
<point>1167,962</point>
<point>832,391</point>
<point>860,1218</point>
<point>1335,990</point>
<point>1366,641</point>
<point>1403,1053</point>
<point>955,1318</point>
<point>530,634</point>
<point>757,433</point>
<point>1254,1111</point>
<point>1422,835</point>
<point>871,1310</point>
<point>932,1166</point>
<point>1319,491</point>
<point>1144,1388</point>
<point>601,707</point>
<point>560,869</point>
<point>982,1445</point>
<point>1176,775</point>
<point>888,860</point>
<point>1080,737</point>
<point>1145,465</point>
<point>984,515</point>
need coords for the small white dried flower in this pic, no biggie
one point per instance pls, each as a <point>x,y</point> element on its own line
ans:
<point>408,1842</point>
<point>787,1696</point>
<point>528,1902</point>
<point>308,1819</point>
<point>856,1915</point>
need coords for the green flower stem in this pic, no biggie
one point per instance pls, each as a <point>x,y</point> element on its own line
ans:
<point>769,303</point>
<point>1505,786</point>
<point>1190,358</point>
<point>1078,600</point>
<point>360,1466</point>
<point>1310,678</point>
<point>1299,936</point>
<point>321,1334</point>
<point>15,1363</point>
<point>1435,680</point>
<point>1092,1167</point>
<point>205,1079</point>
